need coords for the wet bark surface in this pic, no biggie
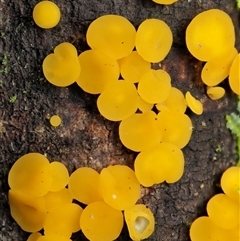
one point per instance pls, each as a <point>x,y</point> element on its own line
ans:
<point>85,138</point>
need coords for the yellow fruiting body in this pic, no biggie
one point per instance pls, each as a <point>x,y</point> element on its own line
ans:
<point>140,131</point>
<point>153,40</point>
<point>120,187</point>
<point>98,70</point>
<point>154,86</point>
<point>195,105</point>
<point>118,101</point>
<point>165,2</point>
<point>31,175</point>
<point>112,35</point>
<point>143,105</point>
<point>100,222</point>
<point>46,14</point>
<point>55,120</point>
<point>234,75</point>
<point>215,92</point>
<point>34,236</point>
<point>84,185</point>
<point>164,162</point>
<point>53,238</point>
<point>210,34</point>
<point>140,222</point>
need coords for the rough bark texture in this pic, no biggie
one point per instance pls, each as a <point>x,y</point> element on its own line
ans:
<point>85,138</point>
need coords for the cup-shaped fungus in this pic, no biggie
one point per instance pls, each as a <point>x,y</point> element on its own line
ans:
<point>133,67</point>
<point>120,187</point>
<point>215,92</point>
<point>140,222</point>
<point>153,40</point>
<point>46,14</point>
<point>154,86</point>
<point>195,105</point>
<point>210,34</point>
<point>31,175</point>
<point>98,70</point>
<point>84,185</point>
<point>53,238</point>
<point>217,69</point>
<point>230,183</point>
<point>34,236</point>
<point>164,162</point>
<point>118,101</point>
<point>224,211</point>
<point>63,221</point>
<point>165,2</point>
<point>140,131</point>
<point>55,120</point>
<point>29,212</point>
<point>100,222</point>
<point>234,75</point>
<point>143,105</point>
<point>112,35</point>
<point>176,127</point>
<point>62,68</point>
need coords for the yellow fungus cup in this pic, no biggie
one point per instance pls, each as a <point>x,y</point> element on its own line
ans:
<point>53,238</point>
<point>165,2</point>
<point>234,75</point>
<point>46,14</point>
<point>34,236</point>
<point>195,105</point>
<point>215,93</point>
<point>55,120</point>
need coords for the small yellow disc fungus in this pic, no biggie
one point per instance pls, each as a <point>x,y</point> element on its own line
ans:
<point>176,127</point>
<point>53,238</point>
<point>29,212</point>
<point>155,85</point>
<point>98,70</point>
<point>55,120</point>
<point>195,105</point>
<point>224,211</point>
<point>165,2</point>
<point>118,101</point>
<point>133,67</point>
<point>46,14</point>
<point>217,69</point>
<point>31,175</point>
<point>57,199</point>
<point>140,222</point>
<point>140,131</point>
<point>143,105</point>
<point>60,176</point>
<point>164,162</point>
<point>34,236</point>
<point>62,68</point>
<point>234,75</point>
<point>230,183</point>
<point>63,221</point>
<point>153,40</point>
<point>112,35</point>
<point>215,92</point>
<point>174,102</point>
<point>84,185</point>
<point>210,34</point>
<point>100,222</point>
<point>120,187</point>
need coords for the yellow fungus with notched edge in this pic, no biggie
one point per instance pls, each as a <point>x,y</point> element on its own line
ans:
<point>176,127</point>
<point>112,35</point>
<point>63,221</point>
<point>140,131</point>
<point>230,183</point>
<point>215,92</point>
<point>55,120</point>
<point>120,187</point>
<point>84,185</point>
<point>165,2</point>
<point>62,68</point>
<point>154,86</point>
<point>34,236</point>
<point>46,14</point>
<point>106,70</point>
<point>140,222</point>
<point>164,162</point>
<point>234,75</point>
<point>100,222</point>
<point>210,34</point>
<point>143,105</point>
<point>29,212</point>
<point>224,211</point>
<point>133,67</point>
<point>60,176</point>
<point>118,101</point>
<point>217,69</point>
<point>31,175</point>
<point>53,238</point>
<point>153,40</point>
<point>195,105</point>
